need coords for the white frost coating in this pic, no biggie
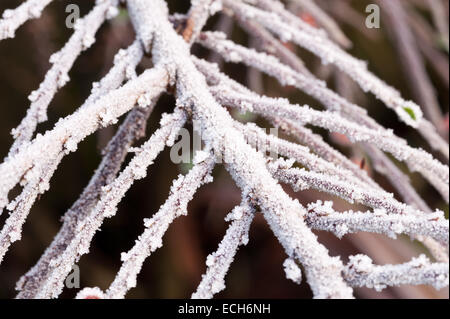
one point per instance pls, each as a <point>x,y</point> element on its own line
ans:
<point>20,207</point>
<point>301,179</point>
<point>131,129</point>
<point>90,293</point>
<point>417,159</point>
<point>269,64</point>
<point>62,61</point>
<point>213,281</point>
<point>12,19</point>
<point>329,53</point>
<point>304,135</point>
<point>281,212</point>
<point>258,138</point>
<point>290,222</point>
<point>181,193</point>
<point>107,206</point>
<point>322,216</point>
<point>317,89</point>
<point>26,165</point>
<point>292,271</point>
<point>361,272</point>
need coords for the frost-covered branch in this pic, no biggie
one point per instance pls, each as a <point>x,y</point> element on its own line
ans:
<point>26,165</point>
<point>316,42</point>
<point>304,135</point>
<point>258,138</point>
<point>181,193</point>
<point>301,179</point>
<point>361,272</point>
<point>107,205</point>
<point>321,215</point>
<point>281,212</point>
<point>12,19</point>
<point>62,61</point>
<point>412,62</point>
<point>307,83</point>
<point>417,159</point>
<point>131,129</point>
<point>218,263</point>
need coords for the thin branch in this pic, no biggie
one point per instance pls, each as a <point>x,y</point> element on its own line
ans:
<point>301,179</point>
<point>323,272</point>
<point>360,272</point>
<point>62,61</point>
<point>181,193</point>
<point>411,60</point>
<point>12,19</point>
<point>131,129</point>
<point>322,216</point>
<point>417,159</point>
<point>106,207</point>
<point>218,263</point>
<point>314,41</point>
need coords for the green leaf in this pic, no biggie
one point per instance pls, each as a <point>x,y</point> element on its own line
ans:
<point>410,112</point>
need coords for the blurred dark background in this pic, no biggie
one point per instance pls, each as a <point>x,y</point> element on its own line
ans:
<point>175,270</point>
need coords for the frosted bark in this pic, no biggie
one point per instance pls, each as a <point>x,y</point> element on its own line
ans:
<point>361,272</point>
<point>62,61</point>
<point>181,193</point>
<point>321,215</point>
<point>111,195</point>
<point>12,19</point>
<point>322,271</point>
<point>218,263</point>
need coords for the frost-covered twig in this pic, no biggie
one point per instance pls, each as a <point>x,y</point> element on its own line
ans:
<point>417,159</point>
<point>62,61</point>
<point>306,82</point>
<point>301,179</point>
<point>267,42</point>
<point>132,128</point>
<point>304,135</point>
<point>68,132</point>
<point>181,193</point>
<point>317,145</point>
<point>321,215</point>
<point>218,263</point>
<point>411,60</point>
<point>14,18</point>
<point>318,44</point>
<point>322,271</point>
<point>258,138</point>
<point>361,272</point>
<point>107,205</point>
<point>197,16</point>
